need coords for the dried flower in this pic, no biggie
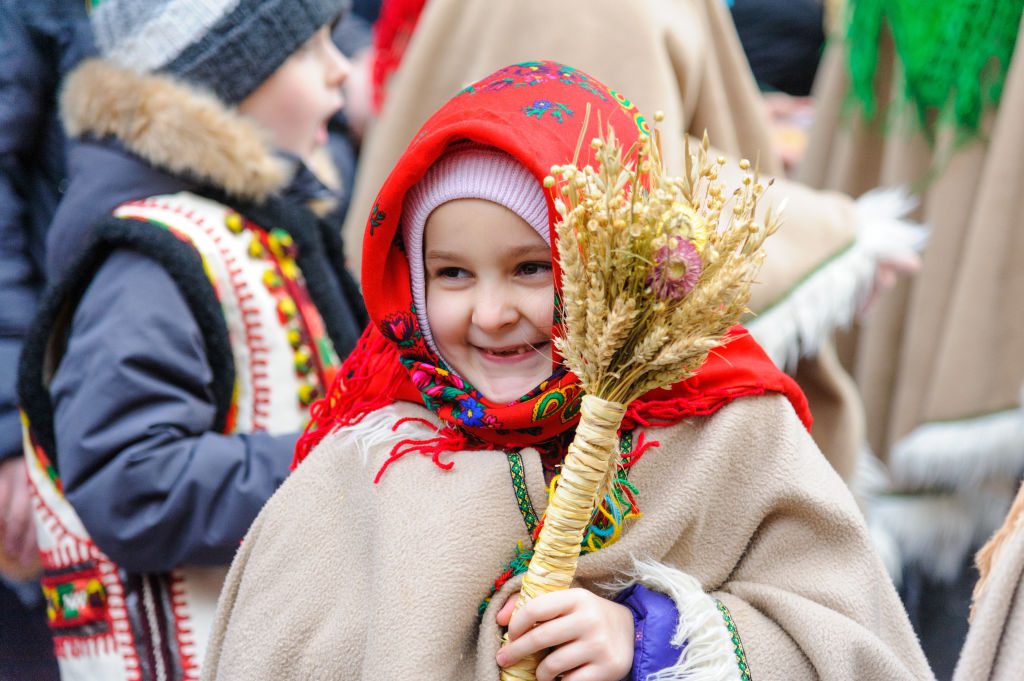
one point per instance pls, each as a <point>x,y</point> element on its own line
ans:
<point>676,270</point>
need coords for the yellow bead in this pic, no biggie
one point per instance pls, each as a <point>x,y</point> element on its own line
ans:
<point>286,308</point>
<point>272,279</point>
<point>281,243</point>
<point>274,245</point>
<point>294,338</point>
<point>289,269</point>
<point>303,361</point>
<point>307,393</point>
<point>256,249</point>
<point>233,221</point>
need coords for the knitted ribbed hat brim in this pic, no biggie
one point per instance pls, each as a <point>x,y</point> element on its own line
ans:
<point>467,171</point>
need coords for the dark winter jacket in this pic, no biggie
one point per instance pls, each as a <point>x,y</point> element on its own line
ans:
<point>40,41</point>
<point>137,399</point>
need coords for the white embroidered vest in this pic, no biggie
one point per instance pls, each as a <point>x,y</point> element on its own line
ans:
<point>156,626</point>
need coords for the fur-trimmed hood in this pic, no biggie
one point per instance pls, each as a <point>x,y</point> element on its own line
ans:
<point>173,126</point>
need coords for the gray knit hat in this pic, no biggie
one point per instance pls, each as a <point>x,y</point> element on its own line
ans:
<point>227,46</point>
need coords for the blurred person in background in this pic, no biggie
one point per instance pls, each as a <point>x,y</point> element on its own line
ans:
<point>783,41</point>
<point>197,305</point>
<point>353,37</point>
<point>931,95</point>
<point>39,43</point>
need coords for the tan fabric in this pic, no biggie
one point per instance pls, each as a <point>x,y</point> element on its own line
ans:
<point>993,651</point>
<point>342,579</point>
<point>948,345</point>
<point>681,57</point>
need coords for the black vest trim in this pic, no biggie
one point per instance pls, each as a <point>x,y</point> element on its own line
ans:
<point>48,334</point>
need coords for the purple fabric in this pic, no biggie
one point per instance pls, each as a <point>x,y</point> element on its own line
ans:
<point>655,620</point>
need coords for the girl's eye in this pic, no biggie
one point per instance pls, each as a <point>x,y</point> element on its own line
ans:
<point>531,269</point>
<point>451,273</point>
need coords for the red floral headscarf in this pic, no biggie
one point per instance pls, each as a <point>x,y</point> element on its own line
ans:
<point>536,112</point>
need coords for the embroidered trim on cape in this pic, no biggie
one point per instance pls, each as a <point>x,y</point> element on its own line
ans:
<point>606,524</point>
<point>515,467</point>
<point>741,654</point>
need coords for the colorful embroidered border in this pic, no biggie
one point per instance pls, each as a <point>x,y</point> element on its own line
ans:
<point>515,467</point>
<point>606,525</point>
<point>741,654</point>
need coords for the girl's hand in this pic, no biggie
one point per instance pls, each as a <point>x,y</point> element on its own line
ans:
<point>592,637</point>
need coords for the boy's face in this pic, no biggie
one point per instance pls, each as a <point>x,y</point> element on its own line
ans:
<point>296,102</point>
<point>490,297</point>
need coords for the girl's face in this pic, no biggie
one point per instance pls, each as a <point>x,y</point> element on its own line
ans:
<point>296,102</point>
<point>490,297</point>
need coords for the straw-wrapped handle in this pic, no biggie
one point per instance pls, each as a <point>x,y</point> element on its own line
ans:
<point>572,505</point>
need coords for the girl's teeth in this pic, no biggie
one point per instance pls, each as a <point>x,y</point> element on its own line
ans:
<point>517,351</point>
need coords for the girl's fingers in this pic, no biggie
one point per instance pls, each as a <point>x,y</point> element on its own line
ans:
<point>563,660</point>
<point>543,636</point>
<point>505,614</point>
<point>541,609</point>
<point>588,673</point>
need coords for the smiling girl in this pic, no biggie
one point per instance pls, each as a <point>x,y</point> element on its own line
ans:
<point>750,558</point>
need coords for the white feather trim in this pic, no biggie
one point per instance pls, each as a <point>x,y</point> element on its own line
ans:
<point>936,532</point>
<point>709,654</point>
<point>960,454</point>
<point>832,296</point>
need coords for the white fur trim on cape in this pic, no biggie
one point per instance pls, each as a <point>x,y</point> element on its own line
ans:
<point>174,127</point>
<point>709,654</point>
<point>961,454</point>
<point>830,297</point>
<point>377,429</point>
<point>936,532</point>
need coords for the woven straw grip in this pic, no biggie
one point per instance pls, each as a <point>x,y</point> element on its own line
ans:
<point>584,471</point>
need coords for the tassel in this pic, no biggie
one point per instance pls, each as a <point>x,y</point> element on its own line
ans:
<point>368,380</point>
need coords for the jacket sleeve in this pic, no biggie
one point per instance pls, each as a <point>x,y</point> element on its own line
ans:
<point>133,413</point>
<point>655,620</point>
<point>21,96</point>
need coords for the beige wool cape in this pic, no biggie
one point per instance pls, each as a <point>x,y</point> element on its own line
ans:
<point>993,651</point>
<point>939,363</point>
<point>339,578</point>
<point>681,57</point>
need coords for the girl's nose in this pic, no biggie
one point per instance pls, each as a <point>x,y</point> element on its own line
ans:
<point>494,308</point>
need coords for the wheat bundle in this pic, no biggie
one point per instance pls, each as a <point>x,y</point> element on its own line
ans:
<point>654,271</point>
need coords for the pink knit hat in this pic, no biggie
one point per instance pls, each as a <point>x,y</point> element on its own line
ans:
<point>467,171</point>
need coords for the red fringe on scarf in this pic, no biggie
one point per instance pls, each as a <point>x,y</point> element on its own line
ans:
<point>369,380</point>
<point>447,440</point>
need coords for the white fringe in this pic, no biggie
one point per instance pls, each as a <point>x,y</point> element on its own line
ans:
<point>961,455</point>
<point>936,532</point>
<point>959,484</point>
<point>831,297</point>
<point>709,654</point>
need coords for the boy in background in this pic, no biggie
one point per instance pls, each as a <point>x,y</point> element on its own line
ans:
<point>197,307</point>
